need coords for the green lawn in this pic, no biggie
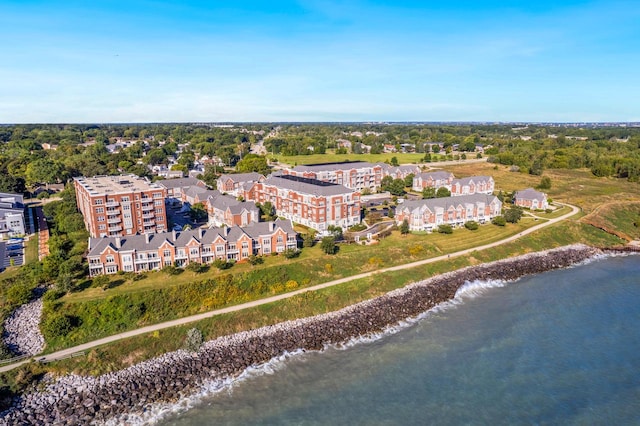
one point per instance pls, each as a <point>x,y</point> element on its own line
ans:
<point>295,160</point>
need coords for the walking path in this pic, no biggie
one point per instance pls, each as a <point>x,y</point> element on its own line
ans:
<point>65,353</point>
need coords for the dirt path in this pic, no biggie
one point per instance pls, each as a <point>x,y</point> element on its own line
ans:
<point>193,318</point>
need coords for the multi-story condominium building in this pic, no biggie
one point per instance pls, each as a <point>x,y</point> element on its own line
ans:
<point>472,185</point>
<point>310,202</point>
<point>427,215</point>
<point>121,205</point>
<point>11,215</point>
<point>236,184</point>
<point>532,199</point>
<point>432,180</point>
<point>137,253</point>
<point>356,175</point>
<point>228,211</point>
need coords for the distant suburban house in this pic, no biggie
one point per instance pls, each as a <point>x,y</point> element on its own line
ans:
<point>234,183</point>
<point>532,199</point>
<point>432,180</point>
<point>427,215</point>
<point>138,253</point>
<point>472,185</point>
<point>11,215</point>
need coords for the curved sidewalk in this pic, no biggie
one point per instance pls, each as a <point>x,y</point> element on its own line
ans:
<point>65,353</point>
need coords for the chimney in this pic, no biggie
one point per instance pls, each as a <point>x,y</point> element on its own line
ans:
<point>147,237</point>
<point>272,226</point>
<point>173,234</point>
<point>200,233</point>
<point>118,242</point>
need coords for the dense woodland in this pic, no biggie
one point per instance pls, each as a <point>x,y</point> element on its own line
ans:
<point>81,150</point>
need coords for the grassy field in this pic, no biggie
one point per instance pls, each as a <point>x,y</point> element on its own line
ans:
<point>617,218</point>
<point>294,160</point>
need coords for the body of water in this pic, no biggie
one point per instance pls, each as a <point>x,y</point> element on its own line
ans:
<point>561,347</point>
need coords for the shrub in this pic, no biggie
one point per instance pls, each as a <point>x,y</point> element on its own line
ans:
<point>471,225</point>
<point>358,227</point>
<point>57,325</point>
<point>223,264</point>
<point>308,240</point>
<point>194,340</point>
<point>171,270</point>
<point>499,221</point>
<point>291,253</point>
<point>138,277</point>
<point>415,250</point>
<point>291,284</point>
<point>328,245</point>
<point>255,260</point>
<point>445,229</point>
<point>100,281</point>
<point>513,214</point>
<point>19,294</point>
<point>197,268</point>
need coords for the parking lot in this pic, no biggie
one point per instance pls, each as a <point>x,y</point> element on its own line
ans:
<point>11,253</point>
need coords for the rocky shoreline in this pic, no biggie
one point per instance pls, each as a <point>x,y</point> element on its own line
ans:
<point>82,400</point>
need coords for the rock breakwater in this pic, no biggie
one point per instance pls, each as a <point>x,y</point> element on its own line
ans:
<point>82,400</point>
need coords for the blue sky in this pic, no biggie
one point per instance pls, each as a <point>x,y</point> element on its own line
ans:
<point>317,60</point>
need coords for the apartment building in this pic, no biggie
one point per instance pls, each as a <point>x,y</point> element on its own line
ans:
<point>427,215</point>
<point>139,253</point>
<point>228,211</point>
<point>121,205</point>
<point>355,175</point>
<point>531,199</point>
<point>310,202</point>
<point>11,215</point>
<point>176,186</point>
<point>472,185</point>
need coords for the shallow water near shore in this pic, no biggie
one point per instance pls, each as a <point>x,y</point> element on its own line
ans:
<point>561,347</point>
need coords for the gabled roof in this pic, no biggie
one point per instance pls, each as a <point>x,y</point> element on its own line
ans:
<point>435,175</point>
<point>181,238</point>
<point>181,183</point>
<point>470,179</point>
<point>242,177</point>
<point>530,194</point>
<point>447,202</point>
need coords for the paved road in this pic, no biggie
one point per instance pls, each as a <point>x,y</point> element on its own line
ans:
<point>67,352</point>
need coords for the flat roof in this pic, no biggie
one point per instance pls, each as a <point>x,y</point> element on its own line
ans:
<point>122,184</point>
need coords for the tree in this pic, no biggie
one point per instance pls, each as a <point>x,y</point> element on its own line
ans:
<point>428,192</point>
<point>328,245</point>
<point>336,231</point>
<point>408,180</point>
<point>253,163</point>
<point>43,170</point>
<point>513,214</point>
<point>404,227</point>
<point>394,161</point>
<point>471,225</point>
<point>290,253</point>
<point>266,209</point>
<point>198,212</point>
<point>545,183</point>
<point>308,240</point>
<point>443,192</point>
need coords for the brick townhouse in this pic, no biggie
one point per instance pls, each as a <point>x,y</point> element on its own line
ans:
<point>121,205</point>
<point>138,253</point>
<point>427,215</point>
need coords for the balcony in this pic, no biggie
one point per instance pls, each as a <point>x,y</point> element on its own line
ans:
<point>112,204</point>
<point>148,216</point>
<point>115,228</point>
<point>114,220</point>
<point>149,223</point>
<point>146,208</point>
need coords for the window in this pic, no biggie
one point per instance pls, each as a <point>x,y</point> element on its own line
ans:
<point>181,253</point>
<point>110,258</point>
<point>99,209</point>
<point>158,211</point>
<point>245,245</point>
<point>166,253</point>
<point>266,242</point>
<point>219,249</point>
<point>99,202</point>
<point>193,251</point>
<point>112,269</point>
<point>280,239</point>
<point>158,202</point>
<point>125,199</point>
<point>100,218</point>
<point>102,227</point>
<point>157,195</point>
<point>126,258</point>
<point>126,207</point>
